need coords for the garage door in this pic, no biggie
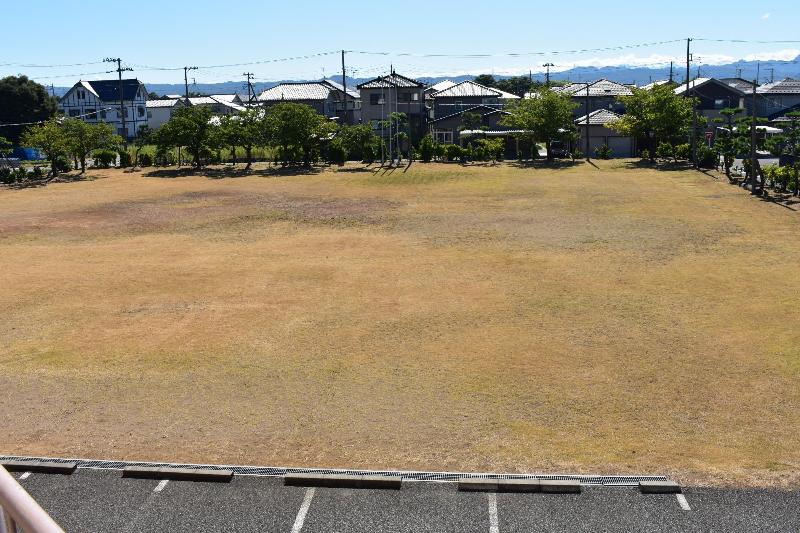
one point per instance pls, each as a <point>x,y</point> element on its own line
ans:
<point>620,146</point>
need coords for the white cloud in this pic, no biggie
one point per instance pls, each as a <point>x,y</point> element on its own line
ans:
<point>788,54</point>
<point>765,16</point>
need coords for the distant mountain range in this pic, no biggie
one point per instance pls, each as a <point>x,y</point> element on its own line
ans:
<point>776,70</point>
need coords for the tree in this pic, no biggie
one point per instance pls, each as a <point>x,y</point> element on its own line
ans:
<point>657,115</point>
<point>82,138</point>
<point>547,116</point>
<point>192,128</point>
<point>518,85</point>
<point>246,129</point>
<point>297,131</point>
<point>143,137</point>
<point>23,101</point>
<point>397,124</point>
<point>486,80</point>
<point>471,121</point>
<point>360,142</point>
<point>50,139</point>
<point>726,143</point>
<point>5,146</point>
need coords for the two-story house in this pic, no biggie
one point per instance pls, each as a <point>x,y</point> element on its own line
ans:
<point>772,98</point>
<point>601,94</point>
<point>465,95</point>
<point>326,98</point>
<point>99,101</point>
<point>712,96</point>
<point>393,94</point>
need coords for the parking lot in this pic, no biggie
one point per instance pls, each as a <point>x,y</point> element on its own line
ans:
<point>102,500</point>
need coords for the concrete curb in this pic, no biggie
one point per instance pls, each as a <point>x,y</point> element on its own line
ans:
<point>40,467</point>
<point>499,485</point>
<point>659,487</point>
<point>343,481</point>
<point>560,486</point>
<point>177,474</point>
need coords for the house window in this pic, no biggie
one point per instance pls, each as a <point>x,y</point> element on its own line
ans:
<point>91,114</point>
<point>103,115</point>
<point>719,104</point>
<point>376,99</point>
<point>404,97</point>
<point>125,110</point>
<point>415,97</point>
<point>141,111</point>
<point>74,112</point>
<point>443,136</point>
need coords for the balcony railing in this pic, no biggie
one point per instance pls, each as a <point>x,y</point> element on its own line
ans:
<point>18,511</point>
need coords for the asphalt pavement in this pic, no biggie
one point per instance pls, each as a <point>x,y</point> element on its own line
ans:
<point>91,500</point>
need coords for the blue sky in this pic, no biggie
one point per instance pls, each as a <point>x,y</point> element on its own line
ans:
<point>147,33</point>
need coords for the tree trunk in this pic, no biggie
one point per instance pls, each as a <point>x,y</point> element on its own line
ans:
<point>53,167</point>
<point>249,154</point>
<point>549,152</point>
<point>233,154</point>
<point>83,164</point>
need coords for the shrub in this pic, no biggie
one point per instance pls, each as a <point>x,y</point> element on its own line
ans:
<point>645,154</point>
<point>576,154</point>
<point>603,152</point>
<point>62,164</point>
<point>6,175</point>
<point>104,158</point>
<point>665,151</point>
<point>37,173</point>
<point>337,155</point>
<point>453,152</point>
<point>427,149</point>
<point>145,160</point>
<point>125,159</point>
<point>706,157</point>
<point>683,152</point>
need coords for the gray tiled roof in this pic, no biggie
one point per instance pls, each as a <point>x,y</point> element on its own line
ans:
<point>700,82</point>
<point>169,102</point>
<point>470,88</point>
<point>318,90</point>
<point>596,88</point>
<point>600,117</point>
<point>784,86</point>
<point>740,83</point>
<point>392,80</point>
<point>441,86</point>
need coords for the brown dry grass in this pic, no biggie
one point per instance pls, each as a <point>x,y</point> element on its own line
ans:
<point>587,320</point>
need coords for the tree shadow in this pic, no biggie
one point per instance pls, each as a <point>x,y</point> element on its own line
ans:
<point>543,163</point>
<point>229,172</point>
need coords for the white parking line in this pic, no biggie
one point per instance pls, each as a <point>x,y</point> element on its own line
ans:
<point>301,514</point>
<point>161,485</point>
<point>494,523</point>
<point>26,475</point>
<point>682,502</point>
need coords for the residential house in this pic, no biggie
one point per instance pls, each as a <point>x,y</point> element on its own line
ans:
<point>466,95</point>
<point>600,133</point>
<point>393,93</point>
<point>713,96</point>
<point>449,128</point>
<point>160,111</point>
<point>746,86</point>
<point>220,104</point>
<point>326,98</point>
<point>99,101</point>
<point>778,96</point>
<point>601,94</point>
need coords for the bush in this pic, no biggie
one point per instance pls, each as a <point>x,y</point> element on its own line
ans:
<point>37,173</point>
<point>427,149</point>
<point>125,159</point>
<point>706,157</point>
<point>337,155</point>
<point>104,158</point>
<point>603,152</point>
<point>145,160</point>
<point>665,151</point>
<point>6,175</point>
<point>576,154</point>
<point>683,152</point>
<point>645,154</point>
<point>63,164</point>
<point>453,152</point>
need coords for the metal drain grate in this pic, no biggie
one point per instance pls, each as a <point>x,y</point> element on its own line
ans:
<point>616,481</point>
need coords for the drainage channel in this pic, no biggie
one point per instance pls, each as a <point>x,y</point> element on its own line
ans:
<point>604,480</point>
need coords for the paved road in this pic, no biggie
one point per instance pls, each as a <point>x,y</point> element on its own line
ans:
<point>100,500</point>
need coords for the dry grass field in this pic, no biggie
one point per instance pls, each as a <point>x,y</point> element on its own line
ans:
<point>603,320</point>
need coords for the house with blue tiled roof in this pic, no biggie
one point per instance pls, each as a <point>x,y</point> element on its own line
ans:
<point>99,101</point>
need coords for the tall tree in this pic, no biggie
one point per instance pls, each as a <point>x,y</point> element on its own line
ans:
<point>727,144</point>
<point>547,117</point>
<point>297,131</point>
<point>22,101</point>
<point>247,130</point>
<point>50,139</point>
<point>486,79</point>
<point>656,115</point>
<point>518,85</point>
<point>82,138</point>
<point>192,128</point>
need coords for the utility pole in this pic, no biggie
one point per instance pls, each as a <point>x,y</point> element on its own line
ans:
<point>753,158</point>
<point>588,157</point>
<point>670,71</point>
<point>120,70</point>
<point>250,91</point>
<point>547,75</point>
<point>771,74</point>
<point>692,139</point>
<point>344,87</point>
<point>186,80</point>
